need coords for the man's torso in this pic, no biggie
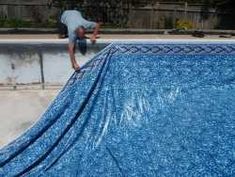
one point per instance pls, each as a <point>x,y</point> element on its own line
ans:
<point>73,20</point>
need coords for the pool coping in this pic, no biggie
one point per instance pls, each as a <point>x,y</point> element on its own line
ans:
<point>108,41</point>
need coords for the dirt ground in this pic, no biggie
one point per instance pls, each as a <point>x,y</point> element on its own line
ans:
<point>20,109</point>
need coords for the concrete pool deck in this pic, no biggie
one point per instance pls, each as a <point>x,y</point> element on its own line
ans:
<point>110,36</point>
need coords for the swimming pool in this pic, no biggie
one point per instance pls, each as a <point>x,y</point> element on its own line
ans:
<point>137,109</point>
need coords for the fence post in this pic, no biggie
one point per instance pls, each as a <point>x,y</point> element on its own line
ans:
<point>157,13</point>
<point>152,16</point>
<point>185,10</point>
<point>174,17</point>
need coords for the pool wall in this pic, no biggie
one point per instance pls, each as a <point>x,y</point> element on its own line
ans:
<point>46,62</point>
<point>38,62</point>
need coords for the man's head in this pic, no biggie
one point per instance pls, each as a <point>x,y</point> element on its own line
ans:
<point>80,31</point>
<point>81,40</point>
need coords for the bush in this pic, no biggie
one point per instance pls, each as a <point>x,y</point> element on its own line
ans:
<point>14,23</point>
<point>184,24</point>
<point>18,23</point>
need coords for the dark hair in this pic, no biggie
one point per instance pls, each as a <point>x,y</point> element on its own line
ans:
<point>82,27</point>
<point>78,32</point>
<point>82,45</point>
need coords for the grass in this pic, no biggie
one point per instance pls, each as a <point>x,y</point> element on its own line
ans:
<point>18,23</point>
<point>50,23</point>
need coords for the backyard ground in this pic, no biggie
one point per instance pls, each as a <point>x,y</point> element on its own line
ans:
<point>20,109</point>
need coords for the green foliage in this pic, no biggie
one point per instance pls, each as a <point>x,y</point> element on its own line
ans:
<point>184,24</point>
<point>168,23</point>
<point>14,23</point>
<point>210,3</point>
<point>65,4</point>
<point>19,23</point>
<point>50,23</point>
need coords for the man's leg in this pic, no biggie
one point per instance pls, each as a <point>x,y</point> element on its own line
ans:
<point>63,30</point>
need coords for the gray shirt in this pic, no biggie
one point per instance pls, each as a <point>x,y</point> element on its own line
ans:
<point>73,20</point>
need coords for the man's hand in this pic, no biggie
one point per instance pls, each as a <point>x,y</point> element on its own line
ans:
<point>95,33</point>
<point>76,66</point>
<point>93,39</point>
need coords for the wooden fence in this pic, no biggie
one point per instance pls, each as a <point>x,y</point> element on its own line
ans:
<point>149,14</point>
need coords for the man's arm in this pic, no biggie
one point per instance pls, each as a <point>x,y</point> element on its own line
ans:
<point>71,50</point>
<point>96,31</point>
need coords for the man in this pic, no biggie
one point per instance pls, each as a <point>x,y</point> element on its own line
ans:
<point>73,23</point>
